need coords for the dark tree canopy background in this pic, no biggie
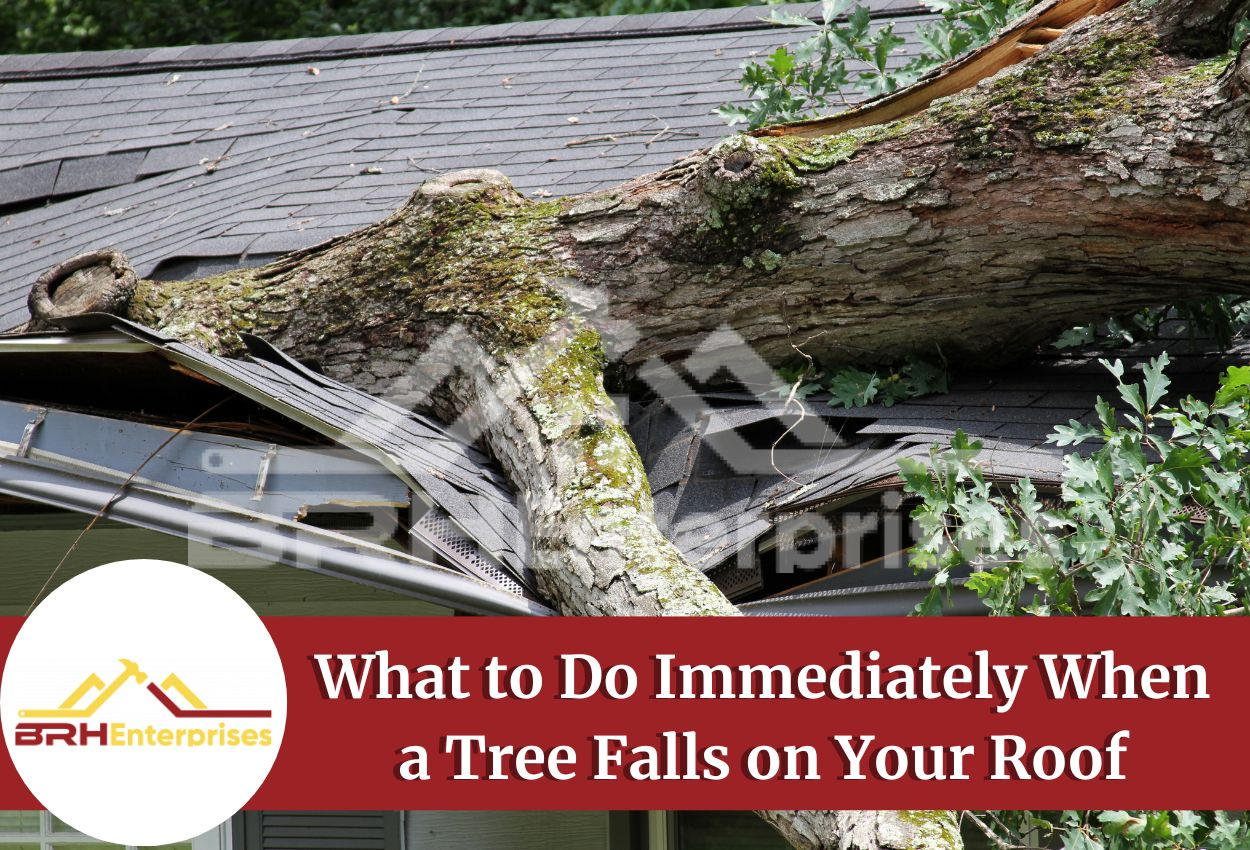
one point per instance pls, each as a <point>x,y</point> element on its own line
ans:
<point>52,26</point>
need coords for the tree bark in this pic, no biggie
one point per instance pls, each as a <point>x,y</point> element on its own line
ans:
<point>1109,172</point>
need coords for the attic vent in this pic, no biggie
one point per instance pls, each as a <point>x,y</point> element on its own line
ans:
<point>437,531</point>
<point>735,581</point>
<point>339,520</point>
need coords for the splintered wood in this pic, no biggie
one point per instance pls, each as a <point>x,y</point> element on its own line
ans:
<point>1042,25</point>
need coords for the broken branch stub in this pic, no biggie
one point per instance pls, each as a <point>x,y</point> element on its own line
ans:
<point>463,183</point>
<point>96,282</point>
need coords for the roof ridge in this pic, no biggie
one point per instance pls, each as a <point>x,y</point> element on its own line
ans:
<point>194,57</point>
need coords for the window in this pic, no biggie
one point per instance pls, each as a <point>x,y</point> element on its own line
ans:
<point>45,831</point>
<point>276,830</point>
<point>519,830</point>
<point>723,831</point>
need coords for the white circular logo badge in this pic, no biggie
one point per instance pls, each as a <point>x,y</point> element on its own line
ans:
<point>143,703</point>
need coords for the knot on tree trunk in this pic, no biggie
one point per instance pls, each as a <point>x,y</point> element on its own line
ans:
<point>96,282</point>
<point>459,185</point>
<point>742,171</point>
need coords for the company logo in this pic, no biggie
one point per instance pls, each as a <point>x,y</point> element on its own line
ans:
<point>143,703</point>
<point>121,735</point>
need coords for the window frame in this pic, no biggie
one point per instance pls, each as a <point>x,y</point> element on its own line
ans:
<point>48,837</point>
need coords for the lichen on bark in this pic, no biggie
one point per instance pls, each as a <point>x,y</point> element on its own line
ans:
<point>868,830</point>
<point>467,250</point>
<point>1057,100</point>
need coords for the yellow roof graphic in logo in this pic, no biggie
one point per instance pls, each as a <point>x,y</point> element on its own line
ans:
<point>130,670</point>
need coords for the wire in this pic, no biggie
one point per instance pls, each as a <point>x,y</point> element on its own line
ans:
<point>113,500</point>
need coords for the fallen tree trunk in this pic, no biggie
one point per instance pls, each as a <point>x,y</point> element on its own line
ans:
<point>1109,172</point>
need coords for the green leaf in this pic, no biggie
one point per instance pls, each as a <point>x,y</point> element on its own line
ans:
<point>1156,381</point>
<point>1121,823</point>
<point>1077,337</point>
<point>931,605</point>
<point>853,387</point>
<point>1234,386</point>
<point>1186,463</point>
<point>731,114</point>
<point>789,19</point>
<point>965,446</point>
<point>1116,369</point>
<point>985,582</point>
<point>916,476</point>
<point>884,44</point>
<point>1113,822</point>
<point>781,61</point>
<point>1072,434</point>
<point>1133,397</point>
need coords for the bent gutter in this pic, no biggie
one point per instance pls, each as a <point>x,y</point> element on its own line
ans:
<point>216,524</point>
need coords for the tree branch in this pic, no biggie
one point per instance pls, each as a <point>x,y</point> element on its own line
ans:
<point>865,830</point>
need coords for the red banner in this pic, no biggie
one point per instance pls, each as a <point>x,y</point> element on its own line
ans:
<point>753,713</point>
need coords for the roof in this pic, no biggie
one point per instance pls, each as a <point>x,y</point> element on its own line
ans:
<point>239,476</point>
<point>712,503</point>
<point>194,159</point>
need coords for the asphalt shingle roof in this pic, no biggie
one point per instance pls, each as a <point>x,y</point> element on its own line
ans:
<point>186,157</point>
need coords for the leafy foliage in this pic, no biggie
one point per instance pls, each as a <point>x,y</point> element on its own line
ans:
<point>851,387</point>
<point>1119,830</point>
<point>793,83</point>
<point>846,52</point>
<point>1124,540</point>
<point>1222,319</point>
<point>966,24</point>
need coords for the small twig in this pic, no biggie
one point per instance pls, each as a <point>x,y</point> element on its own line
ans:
<point>112,500</point>
<point>811,367</point>
<point>665,131</point>
<point>614,137</point>
<point>395,100</point>
<point>415,82</point>
<point>991,835</point>
<point>590,140</point>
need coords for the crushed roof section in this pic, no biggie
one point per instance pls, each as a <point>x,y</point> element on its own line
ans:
<point>472,516</point>
<point>460,479</point>
<point>194,159</point>
<point>711,508</point>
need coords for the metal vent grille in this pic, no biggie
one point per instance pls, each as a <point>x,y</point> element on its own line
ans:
<point>437,531</point>
<point>734,580</point>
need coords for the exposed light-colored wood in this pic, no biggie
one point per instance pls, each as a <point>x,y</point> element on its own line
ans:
<point>1043,35</point>
<point>1043,24</point>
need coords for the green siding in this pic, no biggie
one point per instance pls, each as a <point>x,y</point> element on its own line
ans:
<point>31,544</point>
